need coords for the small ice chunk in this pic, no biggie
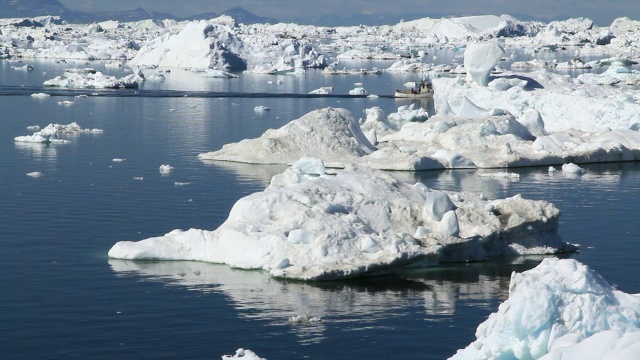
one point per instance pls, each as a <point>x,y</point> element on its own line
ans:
<point>261,108</point>
<point>572,168</point>
<point>166,169</point>
<point>421,232</point>
<point>552,169</point>
<point>33,128</point>
<point>181,183</point>
<point>449,224</point>
<point>138,178</point>
<point>368,245</point>
<point>437,203</point>
<point>35,174</point>
<point>243,354</point>
<point>300,236</point>
<point>310,166</point>
<point>118,160</point>
<point>303,319</point>
<point>40,95</point>
<point>65,103</point>
<point>359,91</point>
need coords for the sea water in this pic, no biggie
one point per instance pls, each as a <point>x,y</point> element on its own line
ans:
<point>62,298</point>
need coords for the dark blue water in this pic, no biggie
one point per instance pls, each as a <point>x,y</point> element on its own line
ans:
<point>62,298</point>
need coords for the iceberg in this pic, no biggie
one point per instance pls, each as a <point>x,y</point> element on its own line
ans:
<point>332,135</point>
<point>471,137</point>
<point>94,80</point>
<point>221,44</point>
<point>560,310</point>
<point>49,134</point>
<point>312,224</point>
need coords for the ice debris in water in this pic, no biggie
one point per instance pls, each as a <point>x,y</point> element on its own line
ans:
<point>35,174</point>
<point>243,354</point>
<point>572,168</point>
<point>303,319</point>
<point>50,133</point>
<point>166,169</point>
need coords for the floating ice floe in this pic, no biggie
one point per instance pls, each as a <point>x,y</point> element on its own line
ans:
<point>244,354</point>
<point>325,90</point>
<point>26,67</point>
<point>94,80</point>
<point>312,224</point>
<point>261,108</point>
<point>572,168</point>
<point>560,310</point>
<point>49,134</point>
<point>531,64</point>
<point>220,74</point>
<point>40,95</point>
<point>118,160</point>
<point>472,137</point>
<point>303,319</point>
<point>360,91</point>
<point>573,64</point>
<point>332,135</point>
<point>35,174</point>
<point>166,169</point>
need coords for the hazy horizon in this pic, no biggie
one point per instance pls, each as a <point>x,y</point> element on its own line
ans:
<point>335,11</point>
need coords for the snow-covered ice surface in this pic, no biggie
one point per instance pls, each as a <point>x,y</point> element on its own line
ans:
<point>563,102</point>
<point>222,44</point>
<point>470,137</point>
<point>312,224</point>
<point>244,354</point>
<point>332,135</point>
<point>51,133</point>
<point>560,310</point>
<point>94,80</point>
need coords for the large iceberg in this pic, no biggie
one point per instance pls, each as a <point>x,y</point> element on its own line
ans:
<point>222,44</point>
<point>560,310</point>
<point>312,224</point>
<point>331,134</point>
<point>470,137</point>
<point>94,80</point>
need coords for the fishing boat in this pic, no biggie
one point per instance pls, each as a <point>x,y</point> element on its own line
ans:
<point>422,90</point>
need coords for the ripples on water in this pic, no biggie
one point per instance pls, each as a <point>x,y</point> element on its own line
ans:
<point>62,297</point>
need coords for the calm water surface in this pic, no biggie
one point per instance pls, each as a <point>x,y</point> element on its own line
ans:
<point>63,299</point>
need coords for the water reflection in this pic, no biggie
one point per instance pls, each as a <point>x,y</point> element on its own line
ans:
<point>247,172</point>
<point>44,152</point>
<point>358,304</point>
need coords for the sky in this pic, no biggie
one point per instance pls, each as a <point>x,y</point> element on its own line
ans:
<point>333,11</point>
